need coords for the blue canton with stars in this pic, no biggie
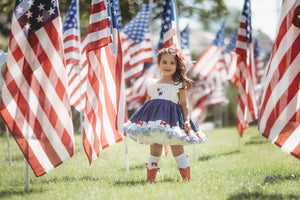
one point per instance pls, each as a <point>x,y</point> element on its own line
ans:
<point>185,44</point>
<point>219,40</point>
<point>247,13</point>
<point>71,19</point>
<point>167,18</point>
<point>139,25</point>
<point>114,17</point>
<point>232,43</point>
<point>34,14</point>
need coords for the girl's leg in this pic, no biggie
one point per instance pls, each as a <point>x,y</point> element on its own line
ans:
<point>181,160</point>
<point>152,168</point>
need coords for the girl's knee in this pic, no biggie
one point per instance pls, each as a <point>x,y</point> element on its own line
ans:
<point>177,150</point>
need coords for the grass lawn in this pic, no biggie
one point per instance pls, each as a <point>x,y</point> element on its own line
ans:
<point>260,170</point>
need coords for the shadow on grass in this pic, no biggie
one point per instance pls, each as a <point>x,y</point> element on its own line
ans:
<point>69,179</point>
<point>208,157</point>
<point>18,191</point>
<point>258,195</point>
<point>277,178</point>
<point>257,140</point>
<point>143,181</point>
<point>16,158</point>
<point>136,167</point>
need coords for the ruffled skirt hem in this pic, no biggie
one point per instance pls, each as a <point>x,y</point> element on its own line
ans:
<point>160,132</point>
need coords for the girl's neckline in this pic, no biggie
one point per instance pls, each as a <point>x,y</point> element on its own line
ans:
<point>166,83</point>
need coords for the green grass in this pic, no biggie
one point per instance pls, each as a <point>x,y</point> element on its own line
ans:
<point>260,170</point>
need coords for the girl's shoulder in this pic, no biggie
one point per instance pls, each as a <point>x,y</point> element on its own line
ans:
<point>151,81</point>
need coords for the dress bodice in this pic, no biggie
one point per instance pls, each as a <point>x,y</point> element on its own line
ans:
<point>163,91</point>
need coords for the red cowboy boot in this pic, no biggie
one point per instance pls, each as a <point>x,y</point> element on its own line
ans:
<point>151,174</point>
<point>185,173</point>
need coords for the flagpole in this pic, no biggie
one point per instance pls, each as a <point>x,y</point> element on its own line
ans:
<point>27,177</point>
<point>81,106</point>
<point>27,167</point>
<point>126,154</point>
<point>111,20</point>
<point>177,24</point>
<point>8,143</point>
<point>195,153</point>
<point>114,38</point>
<point>239,142</point>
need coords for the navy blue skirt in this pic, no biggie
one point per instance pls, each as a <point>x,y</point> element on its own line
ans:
<point>161,121</point>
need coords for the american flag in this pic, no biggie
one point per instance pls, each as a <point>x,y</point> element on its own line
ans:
<point>120,24</point>
<point>247,108</point>
<point>168,34</point>
<point>99,33</point>
<point>105,100</point>
<point>211,57</point>
<point>77,79</point>
<point>198,95</point>
<point>259,61</point>
<point>136,94</point>
<point>3,57</point>
<point>35,105</point>
<point>136,44</point>
<point>279,118</point>
<point>71,32</point>
<point>231,57</point>
<point>185,44</point>
<point>208,70</point>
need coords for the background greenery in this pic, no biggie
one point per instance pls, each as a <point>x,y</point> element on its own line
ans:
<point>260,170</point>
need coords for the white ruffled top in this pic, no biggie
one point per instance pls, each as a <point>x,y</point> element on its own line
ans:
<point>163,91</point>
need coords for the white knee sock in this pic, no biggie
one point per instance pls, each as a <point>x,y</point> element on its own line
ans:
<point>182,161</point>
<point>153,162</point>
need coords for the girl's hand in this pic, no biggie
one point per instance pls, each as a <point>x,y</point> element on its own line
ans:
<point>187,126</point>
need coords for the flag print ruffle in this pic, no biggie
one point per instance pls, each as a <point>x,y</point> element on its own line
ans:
<point>161,121</point>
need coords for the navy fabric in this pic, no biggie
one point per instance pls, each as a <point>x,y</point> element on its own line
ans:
<point>160,109</point>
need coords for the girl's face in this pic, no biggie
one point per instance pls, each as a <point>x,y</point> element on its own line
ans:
<point>167,65</point>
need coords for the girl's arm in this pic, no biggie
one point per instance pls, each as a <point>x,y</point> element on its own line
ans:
<point>185,108</point>
<point>148,98</point>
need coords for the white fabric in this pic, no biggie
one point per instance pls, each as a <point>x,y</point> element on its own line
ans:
<point>164,91</point>
<point>153,162</point>
<point>182,161</point>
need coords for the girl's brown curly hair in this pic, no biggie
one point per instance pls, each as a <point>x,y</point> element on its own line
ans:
<point>180,74</point>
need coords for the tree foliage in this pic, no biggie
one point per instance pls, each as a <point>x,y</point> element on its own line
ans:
<point>204,10</point>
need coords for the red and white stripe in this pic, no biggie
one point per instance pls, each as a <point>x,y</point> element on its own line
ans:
<point>135,55</point>
<point>35,105</point>
<point>105,97</point>
<point>259,66</point>
<point>102,104</point>
<point>280,109</point>
<point>99,33</point>
<point>136,94</point>
<point>71,45</point>
<point>247,106</point>
<point>77,80</point>
<point>207,62</point>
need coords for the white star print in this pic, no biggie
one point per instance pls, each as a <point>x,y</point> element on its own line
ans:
<point>41,6</point>
<point>19,10</point>
<point>27,26</point>
<point>30,2</point>
<point>51,11</point>
<point>39,18</point>
<point>29,14</point>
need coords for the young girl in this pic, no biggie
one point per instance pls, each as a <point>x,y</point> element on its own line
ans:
<point>164,119</point>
